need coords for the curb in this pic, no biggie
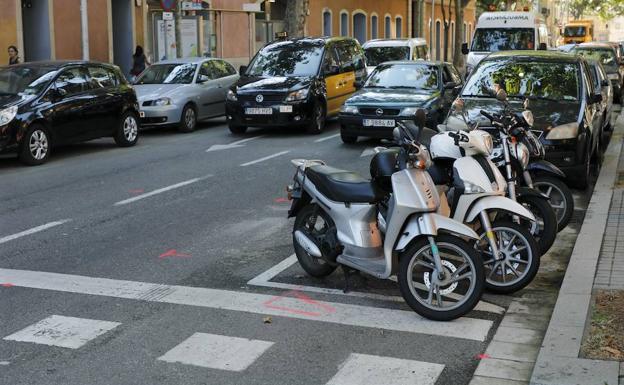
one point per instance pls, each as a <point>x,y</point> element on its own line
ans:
<point>558,362</point>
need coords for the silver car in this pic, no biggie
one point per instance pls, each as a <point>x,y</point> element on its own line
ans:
<point>183,91</point>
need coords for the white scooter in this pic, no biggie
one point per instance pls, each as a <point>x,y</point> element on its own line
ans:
<point>440,275</point>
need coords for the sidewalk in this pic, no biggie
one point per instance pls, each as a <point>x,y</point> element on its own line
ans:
<point>593,265</point>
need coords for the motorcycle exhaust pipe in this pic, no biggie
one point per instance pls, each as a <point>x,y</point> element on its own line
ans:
<point>308,245</point>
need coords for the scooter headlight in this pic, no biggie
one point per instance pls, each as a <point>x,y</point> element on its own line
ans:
<point>528,116</point>
<point>564,131</point>
<point>489,144</point>
<point>471,188</point>
<point>521,152</point>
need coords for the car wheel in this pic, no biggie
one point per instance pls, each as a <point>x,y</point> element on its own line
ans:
<point>346,138</point>
<point>583,180</point>
<point>127,133</point>
<point>188,120</point>
<point>317,124</point>
<point>236,129</point>
<point>36,146</point>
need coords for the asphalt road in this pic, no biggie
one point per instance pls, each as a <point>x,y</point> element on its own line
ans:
<point>167,212</point>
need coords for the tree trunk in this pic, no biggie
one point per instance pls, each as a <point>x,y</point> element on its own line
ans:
<point>458,57</point>
<point>295,18</point>
<point>178,29</point>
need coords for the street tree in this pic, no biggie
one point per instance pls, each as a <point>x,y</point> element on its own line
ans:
<point>458,57</point>
<point>295,17</point>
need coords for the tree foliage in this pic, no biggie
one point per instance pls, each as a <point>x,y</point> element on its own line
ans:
<point>606,9</point>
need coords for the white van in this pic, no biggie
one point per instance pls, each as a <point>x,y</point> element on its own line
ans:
<point>505,31</point>
<point>381,50</point>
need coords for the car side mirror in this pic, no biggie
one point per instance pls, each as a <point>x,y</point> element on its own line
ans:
<point>242,70</point>
<point>604,83</point>
<point>332,70</point>
<point>596,98</point>
<point>464,48</point>
<point>357,84</point>
<point>501,95</point>
<point>542,47</point>
<point>202,79</point>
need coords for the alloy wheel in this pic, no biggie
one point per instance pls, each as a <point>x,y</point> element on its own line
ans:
<point>556,198</point>
<point>515,260</point>
<point>189,118</point>
<point>130,128</point>
<point>38,144</point>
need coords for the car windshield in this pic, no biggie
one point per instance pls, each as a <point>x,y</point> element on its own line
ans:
<point>549,80</point>
<point>574,31</point>
<point>495,39</point>
<point>606,56</point>
<point>418,77</point>
<point>24,80</point>
<point>378,55</point>
<point>168,74</point>
<point>287,59</point>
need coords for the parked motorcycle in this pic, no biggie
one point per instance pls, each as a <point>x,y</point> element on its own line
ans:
<point>476,195</point>
<point>440,274</point>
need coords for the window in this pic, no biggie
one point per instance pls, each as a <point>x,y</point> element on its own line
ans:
<point>182,73</point>
<point>71,81</point>
<point>298,58</point>
<point>327,23</point>
<point>455,74</point>
<point>101,77</point>
<point>388,27</point>
<point>446,75</point>
<point>330,61</point>
<point>465,40</point>
<point>452,39</point>
<point>437,40</point>
<point>208,71</point>
<point>378,55</point>
<point>359,27</point>
<point>421,77</point>
<point>499,39</point>
<point>344,24</point>
<point>398,26</point>
<point>374,27</point>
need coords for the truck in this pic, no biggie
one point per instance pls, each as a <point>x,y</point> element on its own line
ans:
<point>578,31</point>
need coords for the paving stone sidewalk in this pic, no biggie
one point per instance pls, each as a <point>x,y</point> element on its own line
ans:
<point>610,273</point>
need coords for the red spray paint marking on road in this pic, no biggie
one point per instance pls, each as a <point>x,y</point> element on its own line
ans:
<point>482,356</point>
<point>7,285</point>
<point>301,297</point>
<point>173,253</point>
<point>281,200</point>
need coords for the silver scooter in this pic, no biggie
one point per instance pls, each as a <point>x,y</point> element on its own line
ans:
<point>440,274</point>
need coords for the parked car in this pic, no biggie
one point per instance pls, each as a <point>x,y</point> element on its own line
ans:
<point>561,96</point>
<point>296,83</point>
<point>46,104</point>
<point>607,55</point>
<point>182,92</point>
<point>394,91</point>
<point>602,85</point>
<point>378,51</point>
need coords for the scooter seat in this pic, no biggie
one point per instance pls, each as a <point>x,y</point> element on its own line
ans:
<point>343,186</point>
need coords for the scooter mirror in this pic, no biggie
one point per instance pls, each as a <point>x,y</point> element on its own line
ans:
<point>420,117</point>
<point>501,95</point>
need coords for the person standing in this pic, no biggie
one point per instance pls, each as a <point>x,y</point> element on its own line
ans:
<point>139,62</point>
<point>13,58</point>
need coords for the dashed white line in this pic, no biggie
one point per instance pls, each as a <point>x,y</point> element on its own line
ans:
<point>159,191</point>
<point>326,138</point>
<point>33,230</point>
<point>264,158</point>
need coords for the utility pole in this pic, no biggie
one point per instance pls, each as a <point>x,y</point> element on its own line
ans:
<point>178,28</point>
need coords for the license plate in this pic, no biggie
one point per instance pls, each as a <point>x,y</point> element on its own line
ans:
<point>258,111</point>
<point>286,109</point>
<point>379,122</point>
<point>142,114</point>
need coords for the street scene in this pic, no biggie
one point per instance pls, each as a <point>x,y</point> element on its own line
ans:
<point>311,192</point>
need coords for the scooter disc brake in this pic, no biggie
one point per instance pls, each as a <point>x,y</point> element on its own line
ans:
<point>451,287</point>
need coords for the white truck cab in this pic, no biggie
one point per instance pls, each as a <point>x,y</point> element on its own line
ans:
<point>378,51</point>
<point>505,31</point>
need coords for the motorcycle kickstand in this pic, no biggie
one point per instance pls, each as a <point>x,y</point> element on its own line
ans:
<point>347,272</point>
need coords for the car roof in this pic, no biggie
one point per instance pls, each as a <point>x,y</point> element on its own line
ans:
<point>186,60</point>
<point>318,41</point>
<point>416,62</point>
<point>60,63</point>
<point>395,42</point>
<point>596,45</point>
<point>531,54</point>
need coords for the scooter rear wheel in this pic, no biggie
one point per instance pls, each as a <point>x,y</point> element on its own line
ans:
<point>544,229</point>
<point>520,261</point>
<point>559,197</point>
<point>456,294</point>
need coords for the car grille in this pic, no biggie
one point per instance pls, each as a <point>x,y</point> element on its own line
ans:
<point>373,111</point>
<point>267,98</point>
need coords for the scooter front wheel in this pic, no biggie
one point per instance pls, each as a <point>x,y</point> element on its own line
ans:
<point>519,262</point>
<point>441,295</point>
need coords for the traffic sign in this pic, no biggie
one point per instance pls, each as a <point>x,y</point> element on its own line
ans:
<point>167,15</point>
<point>168,5</point>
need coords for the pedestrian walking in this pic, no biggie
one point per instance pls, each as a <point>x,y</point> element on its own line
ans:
<point>139,62</point>
<point>13,58</point>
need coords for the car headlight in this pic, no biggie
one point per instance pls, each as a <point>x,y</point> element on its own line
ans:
<point>298,95</point>
<point>231,96</point>
<point>7,115</point>
<point>409,111</point>
<point>162,102</point>
<point>471,188</point>
<point>347,109</point>
<point>564,131</point>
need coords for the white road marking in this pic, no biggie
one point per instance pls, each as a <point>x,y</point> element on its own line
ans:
<point>284,306</point>
<point>364,369</point>
<point>159,191</point>
<point>4,363</point>
<point>368,152</point>
<point>217,352</point>
<point>264,280</point>
<point>217,147</point>
<point>66,332</point>
<point>33,230</point>
<point>265,158</point>
<point>326,138</point>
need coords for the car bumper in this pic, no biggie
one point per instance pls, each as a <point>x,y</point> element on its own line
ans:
<point>354,125</point>
<point>301,114</point>
<point>8,142</point>
<point>568,155</point>
<point>160,115</point>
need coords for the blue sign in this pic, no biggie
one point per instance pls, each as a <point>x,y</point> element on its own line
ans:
<point>168,5</point>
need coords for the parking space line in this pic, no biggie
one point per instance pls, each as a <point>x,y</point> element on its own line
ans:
<point>298,307</point>
<point>159,191</point>
<point>264,280</point>
<point>264,158</point>
<point>33,230</point>
<point>326,138</point>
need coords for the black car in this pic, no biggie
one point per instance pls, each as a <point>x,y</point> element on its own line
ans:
<point>564,103</point>
<point>607,55</point>
<point>296,83</point>
<point>46,104</point>
<point>394,91</point>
